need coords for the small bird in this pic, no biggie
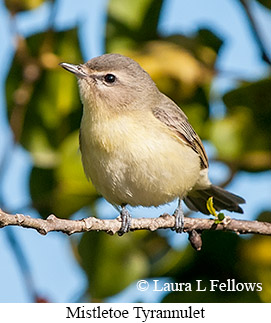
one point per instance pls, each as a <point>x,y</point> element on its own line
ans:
<point>137,145</point>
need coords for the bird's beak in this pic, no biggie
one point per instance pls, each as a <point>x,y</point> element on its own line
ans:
<point>78,70</point>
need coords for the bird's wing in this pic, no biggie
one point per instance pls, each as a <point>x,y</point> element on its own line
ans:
<point>172,116</point>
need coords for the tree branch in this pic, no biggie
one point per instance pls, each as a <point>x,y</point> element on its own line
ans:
<point>165,221</point>
<point>256,32</point>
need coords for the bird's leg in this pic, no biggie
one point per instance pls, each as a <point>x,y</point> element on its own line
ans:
<point>179,218</point>
<point>125,220</point>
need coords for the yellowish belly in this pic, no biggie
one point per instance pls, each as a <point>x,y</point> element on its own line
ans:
<point>136,162</point>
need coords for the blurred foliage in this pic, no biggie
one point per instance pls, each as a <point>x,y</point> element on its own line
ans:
<point>221,259</point>
<point>15,6</point>
<point>141,254</point>
<point>44,112</point>
<point>121,260</point>
<point>266,3</point>
<point>242,137</point>
<point>248,125</point>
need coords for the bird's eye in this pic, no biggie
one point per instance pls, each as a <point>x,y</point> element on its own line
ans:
<point>110,78</point>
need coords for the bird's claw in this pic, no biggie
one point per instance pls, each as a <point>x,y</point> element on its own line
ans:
<point>125,221</point>
<point>179,219</point>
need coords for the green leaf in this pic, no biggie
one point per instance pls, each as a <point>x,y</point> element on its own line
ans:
<point>257,97</point>
<point>131,23</point>
<point>204,45</point>
<point>212,210</point>
<point>149,25</point>
<point>266,3</point>
<point>221,216</point>
<point>242,136</point>
<point>209,39</point>
<point>134,14</point>
<point>42,184</point>
<point>22,5</point>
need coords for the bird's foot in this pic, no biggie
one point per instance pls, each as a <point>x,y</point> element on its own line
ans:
<point>179,219</point>
<point>125,221</point>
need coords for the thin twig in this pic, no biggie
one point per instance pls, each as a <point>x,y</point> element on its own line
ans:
<point>165,221</point>
<point>256,32</point>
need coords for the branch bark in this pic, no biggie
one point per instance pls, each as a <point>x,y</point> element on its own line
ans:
<point>165,221</point>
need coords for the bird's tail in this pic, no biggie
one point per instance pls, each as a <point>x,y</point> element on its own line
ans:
<point>222,200</point>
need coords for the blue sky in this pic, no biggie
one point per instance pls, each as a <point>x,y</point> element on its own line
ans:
<point>50,257</point>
